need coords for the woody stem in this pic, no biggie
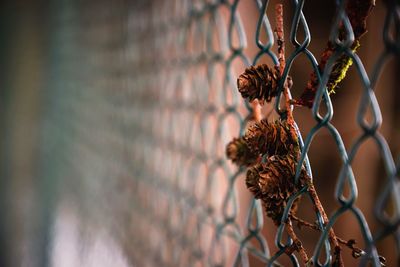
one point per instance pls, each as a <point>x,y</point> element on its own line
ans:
<point>286,91</point>
<point>331,234</point>
<point>282,63</point>
<point>301,222</point>
<point>256,110</point>
<point>297,245</point>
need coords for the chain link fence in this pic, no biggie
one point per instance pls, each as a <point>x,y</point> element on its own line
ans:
<point>141,100</point>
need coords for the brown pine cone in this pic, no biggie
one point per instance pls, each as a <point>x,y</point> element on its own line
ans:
<point>273,183</point>
<point>271,138</point>
<point>238,151</point>
<point>259,82</point>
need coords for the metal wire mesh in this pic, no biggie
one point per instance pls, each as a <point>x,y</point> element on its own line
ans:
<point>141,103</point>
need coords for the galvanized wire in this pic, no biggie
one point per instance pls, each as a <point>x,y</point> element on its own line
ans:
<point>141,104</point>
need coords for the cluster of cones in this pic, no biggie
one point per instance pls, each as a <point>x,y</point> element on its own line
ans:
<point>269,151</point>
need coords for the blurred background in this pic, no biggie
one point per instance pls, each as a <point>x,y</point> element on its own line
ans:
<point>114,118</point>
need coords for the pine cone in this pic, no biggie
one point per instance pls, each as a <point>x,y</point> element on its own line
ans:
<point>273,183</point>
<point>238,151</point>
<point>253,180</point>
<point>270,138</point>
<point>259,82</point>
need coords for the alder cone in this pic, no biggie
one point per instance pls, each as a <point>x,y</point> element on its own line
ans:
<point>273,183</point>
<point>238,151</point>
<point>270,138</point>
<point>259,82</point>
<point>253,181</point>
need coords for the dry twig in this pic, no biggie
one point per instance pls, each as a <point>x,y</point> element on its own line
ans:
<point>357,11</point>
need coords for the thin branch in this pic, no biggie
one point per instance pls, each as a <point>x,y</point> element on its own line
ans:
<point>356,252</point>
<point>290,120</point>
<point>357,12</point>
<point>256,110</point>
<point>297,245</point>
<point>281,67</point>
<point>280,36</point>
<point>331,234</point>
